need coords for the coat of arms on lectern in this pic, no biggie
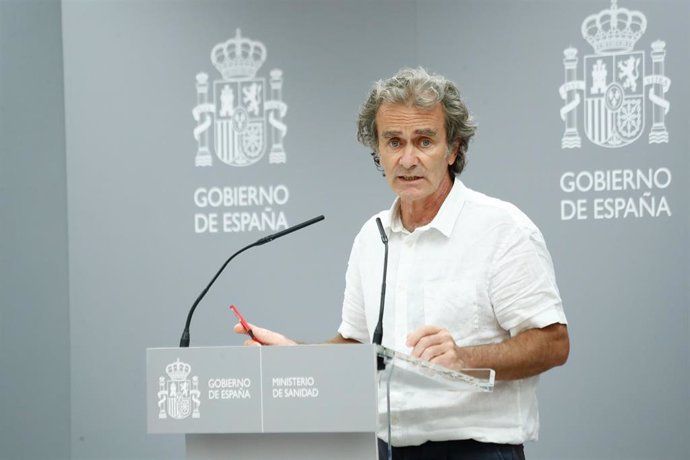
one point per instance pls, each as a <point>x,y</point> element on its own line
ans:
<point>178,395</point>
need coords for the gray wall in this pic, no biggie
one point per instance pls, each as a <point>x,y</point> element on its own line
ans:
<point>135,262</point>
<point>34,306</point>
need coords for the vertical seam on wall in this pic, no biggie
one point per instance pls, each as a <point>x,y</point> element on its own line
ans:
<point>261,386</point>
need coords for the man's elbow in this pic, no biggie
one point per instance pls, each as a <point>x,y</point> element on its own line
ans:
<point>561,345</point>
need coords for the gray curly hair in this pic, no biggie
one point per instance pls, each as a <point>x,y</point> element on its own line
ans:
<point>418,88</point>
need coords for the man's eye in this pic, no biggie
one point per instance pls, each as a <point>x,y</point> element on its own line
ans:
<point>425,143</point>
<point>395,143</point>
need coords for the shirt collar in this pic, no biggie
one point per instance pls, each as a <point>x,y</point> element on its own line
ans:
<point>445,218</point>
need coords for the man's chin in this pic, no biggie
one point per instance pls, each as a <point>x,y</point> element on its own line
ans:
<point>410,193</point>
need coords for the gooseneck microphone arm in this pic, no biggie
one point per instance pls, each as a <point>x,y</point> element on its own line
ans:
<point>184,340</point>
<point>378,332</point>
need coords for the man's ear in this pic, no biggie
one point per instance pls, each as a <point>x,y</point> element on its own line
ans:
<point>453,153</point>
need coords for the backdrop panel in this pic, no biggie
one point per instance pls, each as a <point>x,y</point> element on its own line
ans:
<point>590,142</point>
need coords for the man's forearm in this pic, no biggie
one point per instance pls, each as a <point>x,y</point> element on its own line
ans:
<point>339,339</point>
<point>525,355</point>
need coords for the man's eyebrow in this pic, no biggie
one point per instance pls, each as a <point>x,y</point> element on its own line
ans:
<point>389,134</point>
<point>420,132</point>
<point>426,132</point>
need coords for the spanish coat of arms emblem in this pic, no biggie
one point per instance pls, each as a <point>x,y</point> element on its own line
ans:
<point>240,112</point>
<point>615,83</point>
<point>178,396</point>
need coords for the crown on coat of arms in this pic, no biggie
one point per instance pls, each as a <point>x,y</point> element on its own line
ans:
<point>239,57</point>
<point>614,30</point>
<point>178,370</point>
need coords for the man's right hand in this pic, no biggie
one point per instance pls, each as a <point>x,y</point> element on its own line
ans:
<point>266,336</point>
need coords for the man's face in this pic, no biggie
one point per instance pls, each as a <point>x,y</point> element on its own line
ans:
<point>413,151</point>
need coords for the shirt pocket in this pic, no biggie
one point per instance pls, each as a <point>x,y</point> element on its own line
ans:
<point>454,305</point>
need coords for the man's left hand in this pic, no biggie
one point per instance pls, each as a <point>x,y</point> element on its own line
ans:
<point>436,345</point>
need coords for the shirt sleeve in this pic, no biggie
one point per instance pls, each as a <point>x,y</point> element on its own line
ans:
<point>522,283</point>
<point>353,324</point>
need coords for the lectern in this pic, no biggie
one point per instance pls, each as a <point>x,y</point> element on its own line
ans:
<point>306,402</point>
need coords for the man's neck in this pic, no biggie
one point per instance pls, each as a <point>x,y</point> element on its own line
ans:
<point>415,214</point>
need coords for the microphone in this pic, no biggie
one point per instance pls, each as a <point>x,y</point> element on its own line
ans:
<point>184,340</point>
<point>378,332</point>
<point>287,231</point>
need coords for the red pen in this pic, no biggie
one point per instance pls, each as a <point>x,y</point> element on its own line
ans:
<point>245,324</point>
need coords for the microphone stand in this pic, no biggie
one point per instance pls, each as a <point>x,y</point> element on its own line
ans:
<point>184,340</point>
<point>378,332</point>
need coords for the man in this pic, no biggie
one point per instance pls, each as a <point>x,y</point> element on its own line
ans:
<point>470,281</point>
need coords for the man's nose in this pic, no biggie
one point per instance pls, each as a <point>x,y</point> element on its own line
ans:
<point>409,156</point>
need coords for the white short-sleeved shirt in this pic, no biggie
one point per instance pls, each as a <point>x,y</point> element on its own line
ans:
<point>480,269</point>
